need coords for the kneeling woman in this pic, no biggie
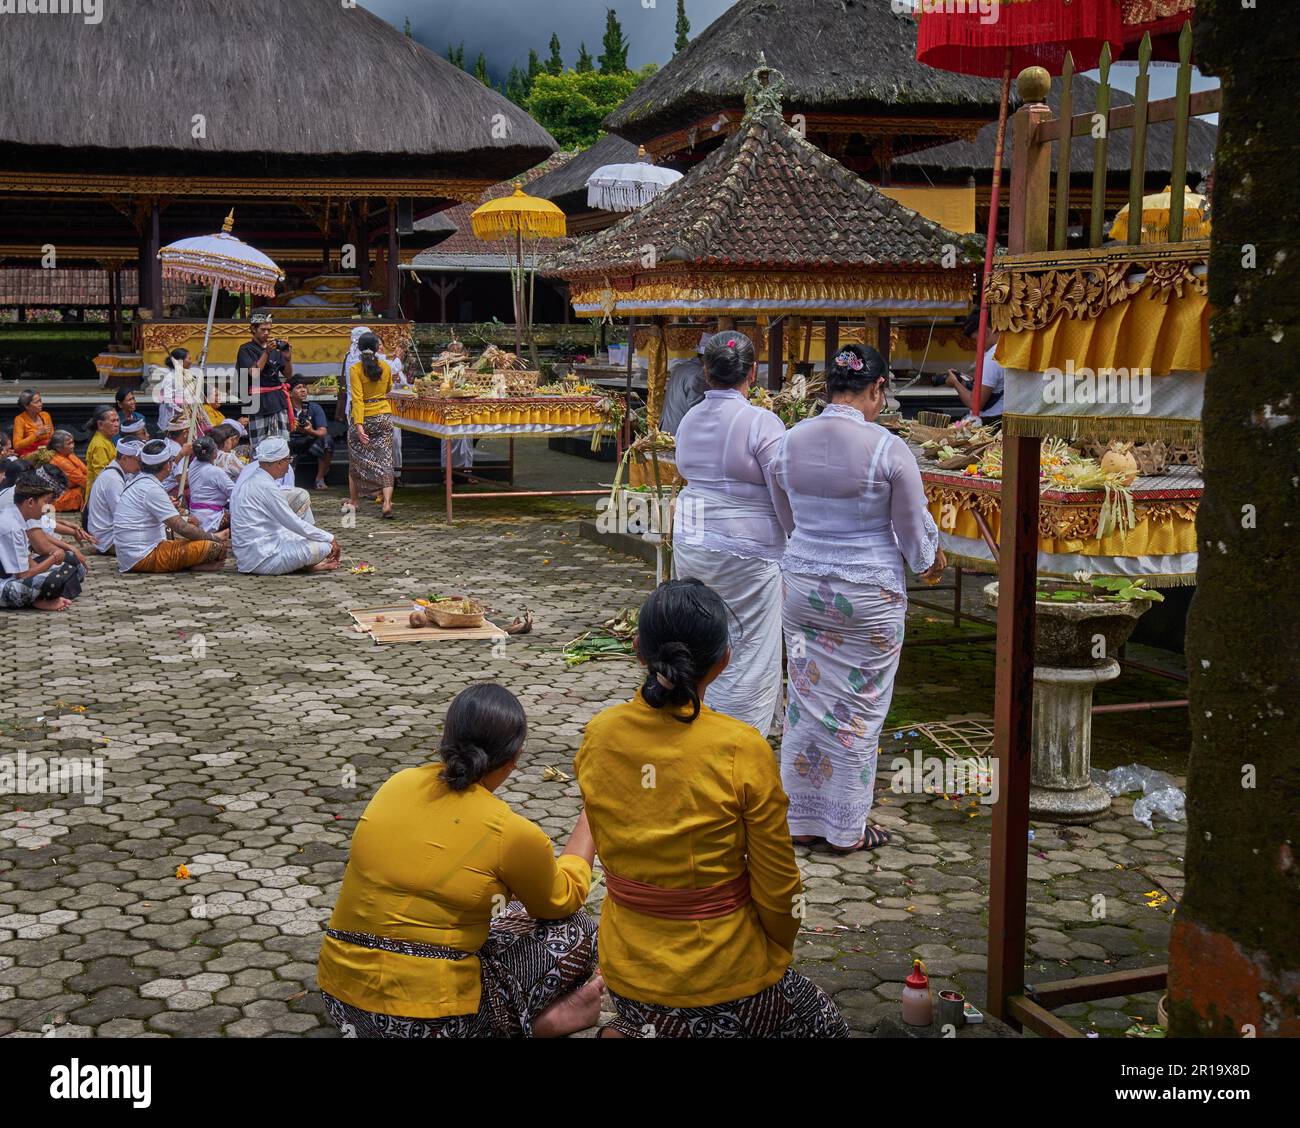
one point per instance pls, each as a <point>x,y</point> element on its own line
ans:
<point>686,807</point>
<point>455,919</point>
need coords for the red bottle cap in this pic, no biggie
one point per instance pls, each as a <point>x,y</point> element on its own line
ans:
<point>918,980</point>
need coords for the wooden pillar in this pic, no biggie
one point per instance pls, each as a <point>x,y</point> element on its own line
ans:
<point>325,254</point>
<point>776,355</point>
<point>1017,579</point>
<point>832,341</point>
<point>394,275</point>
<point>884,327</point>
<point>154,243</point>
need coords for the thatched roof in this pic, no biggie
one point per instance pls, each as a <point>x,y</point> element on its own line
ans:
<point>286,86</point>
<point>854,57</point>
<point>977,156</point>
<point>766,199</point>
<point>453,229</point>
<point>570,179</point>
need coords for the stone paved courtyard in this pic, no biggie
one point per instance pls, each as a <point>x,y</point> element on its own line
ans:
<point>244,725</point>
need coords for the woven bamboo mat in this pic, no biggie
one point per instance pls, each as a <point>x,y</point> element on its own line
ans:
<point>391,624</point>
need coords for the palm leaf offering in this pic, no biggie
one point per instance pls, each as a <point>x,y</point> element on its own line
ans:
<point>613,640</point>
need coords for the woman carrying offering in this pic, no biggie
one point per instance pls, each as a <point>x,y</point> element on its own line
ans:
<point>370,433</point>
<point>859,512</point>
<point>103,428</point>
<point>730,531</point>
<point>455,919</point>
<point>704,897</point>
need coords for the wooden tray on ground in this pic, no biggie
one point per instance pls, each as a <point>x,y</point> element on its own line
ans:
<point>400,630</point>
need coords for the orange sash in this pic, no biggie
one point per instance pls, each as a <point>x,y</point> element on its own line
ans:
<point>678,904</point>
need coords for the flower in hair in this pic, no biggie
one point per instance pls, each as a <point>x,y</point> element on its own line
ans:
<point>849,360</point>
<point>731,344</point>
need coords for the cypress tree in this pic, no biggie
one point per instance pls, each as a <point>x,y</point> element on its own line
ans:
<point>614,58</point>
<point>555,64</point>
<point>585,64</point>
<point>683,27</point>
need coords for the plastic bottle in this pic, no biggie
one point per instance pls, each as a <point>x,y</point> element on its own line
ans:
<point>918,1007</point>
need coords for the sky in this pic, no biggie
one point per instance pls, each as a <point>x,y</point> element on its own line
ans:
<point>504,30</point>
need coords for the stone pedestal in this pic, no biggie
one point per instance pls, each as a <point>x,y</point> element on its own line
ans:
<point>1060,787</point>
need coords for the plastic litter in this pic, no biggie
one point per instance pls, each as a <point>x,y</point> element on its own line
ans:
<point>1160,794</point>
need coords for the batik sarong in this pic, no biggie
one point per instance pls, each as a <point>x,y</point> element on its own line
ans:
<point>843,642</point>
<point>793,1007</point>
<point>371,464</point>
<point>749,689</point>
<point>526,966</point>
<point>264,426</point>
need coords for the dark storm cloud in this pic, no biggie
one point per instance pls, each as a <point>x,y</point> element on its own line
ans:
<point>505,30</point>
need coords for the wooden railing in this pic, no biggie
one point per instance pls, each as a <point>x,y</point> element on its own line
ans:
<point>1033,133</point>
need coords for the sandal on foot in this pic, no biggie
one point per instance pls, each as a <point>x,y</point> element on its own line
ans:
<point>387,514</point>
<point>873,837</point>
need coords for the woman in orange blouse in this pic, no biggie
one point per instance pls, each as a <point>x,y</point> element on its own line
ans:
<point>33,427</point>
<point>65,458</point>
<point>686,806</point>
<point>455,919</point>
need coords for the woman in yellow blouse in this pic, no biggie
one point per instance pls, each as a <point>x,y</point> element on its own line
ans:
<point>688,814</point>
<point>103,427</point>
<point>455,919</point>
<point>33,427</point>
<point>370,425</point>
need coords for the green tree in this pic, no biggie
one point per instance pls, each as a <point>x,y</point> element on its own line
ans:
<point>614,58</point>
<point>456,55</point>
<point>571,106</point>
<point>480,69</point>
<point>407,29</point>
<point>534,69</point>
<point>555,64</point>
<point>516,88</point>
<point>585,63</point>
<point>683,27</point>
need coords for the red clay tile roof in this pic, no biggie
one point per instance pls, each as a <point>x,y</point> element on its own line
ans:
<point>767,198</point>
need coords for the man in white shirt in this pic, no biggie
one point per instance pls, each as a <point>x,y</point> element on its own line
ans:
<point>269,538</point>
<point>107,490</point>
<point>26,581</point>
<point>145,515</point>
<point>993,379</point>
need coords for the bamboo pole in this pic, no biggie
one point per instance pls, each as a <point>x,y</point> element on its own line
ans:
<point>1100,147</point>
<point>1137,174</point>
<point>1183,94</point>
<point>1063,147</point>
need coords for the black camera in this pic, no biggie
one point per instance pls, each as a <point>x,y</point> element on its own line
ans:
<point>280,344</point>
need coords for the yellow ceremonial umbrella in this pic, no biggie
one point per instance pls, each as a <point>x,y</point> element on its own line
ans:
<point>1155,218</point>
<point>514,217</point>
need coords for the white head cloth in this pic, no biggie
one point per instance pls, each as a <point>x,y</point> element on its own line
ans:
<point>131,448</point>
<point>167,454</point>
<point>272,449</point>
<point>133,428</point>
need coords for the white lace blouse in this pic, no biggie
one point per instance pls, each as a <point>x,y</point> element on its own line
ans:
<point>858,502</point>
<point>725,450</point>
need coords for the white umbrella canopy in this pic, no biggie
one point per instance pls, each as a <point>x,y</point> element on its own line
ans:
<point>626,187</point>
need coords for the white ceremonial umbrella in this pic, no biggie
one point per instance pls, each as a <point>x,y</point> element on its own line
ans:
<point>626,187</point>
<point>220,260</point>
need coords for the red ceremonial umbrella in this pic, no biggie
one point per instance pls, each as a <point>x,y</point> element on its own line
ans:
<point>994,39</point>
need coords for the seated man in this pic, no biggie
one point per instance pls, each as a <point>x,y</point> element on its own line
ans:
<point>178,432</point>
<point>269,538</point>
<point>145,515</point>
<point>107,489</point>
<point>44,530</point>
<point>25,579</point>
<point>312,432</point>
<point>299,499</point>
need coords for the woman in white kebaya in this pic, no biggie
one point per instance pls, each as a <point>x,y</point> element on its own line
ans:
<point>730,529</point>
<point>859,513</point>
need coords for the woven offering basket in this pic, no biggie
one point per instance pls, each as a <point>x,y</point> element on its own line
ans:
<point>641,472</point>
<point>518,381</point>
<point>448,619</point>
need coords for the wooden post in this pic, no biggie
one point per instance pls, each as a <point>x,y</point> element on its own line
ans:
<point>1017,579</point>
<point>1031,180</point>
<point>394,275</point>
<point>832,341</point>
<point>776,354</point>
<point>883,333</point>
<point>1063,147</point>
<point>155,267</point>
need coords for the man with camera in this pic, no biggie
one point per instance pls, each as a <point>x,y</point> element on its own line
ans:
<point>269,364</point>
<point>993,378</point>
